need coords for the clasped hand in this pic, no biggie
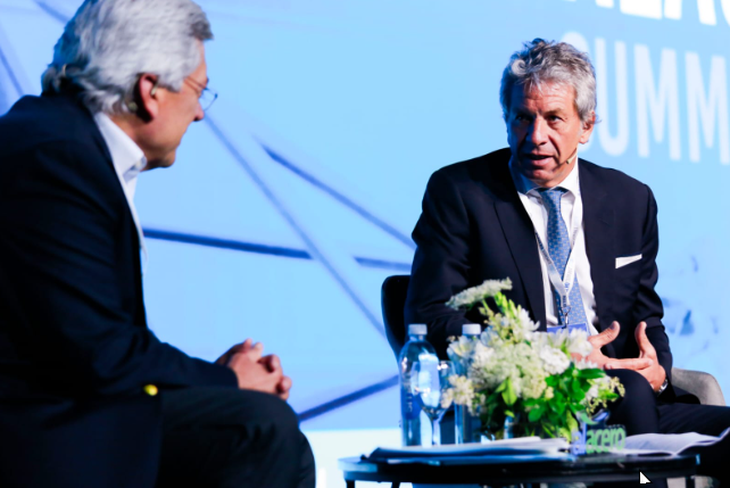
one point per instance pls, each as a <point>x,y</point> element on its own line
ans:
<point>256,371</point>
<point>646,364</point>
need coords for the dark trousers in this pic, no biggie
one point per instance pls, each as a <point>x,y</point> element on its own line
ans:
<point>641,412</point>
<point>223,437</point>
<point>63,443</point>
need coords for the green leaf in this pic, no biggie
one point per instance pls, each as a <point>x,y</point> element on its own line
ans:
<point>572,423</point>
<point>579,387</point>
<point>535,414</point>
<point>509,396</point>
<point>591,373</point>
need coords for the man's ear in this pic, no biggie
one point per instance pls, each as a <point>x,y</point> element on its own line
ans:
<point>146,97</point>
<point>587,128</point>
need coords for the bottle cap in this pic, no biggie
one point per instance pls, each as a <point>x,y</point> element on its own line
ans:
<point>417,329</point>
<point>471,329</point>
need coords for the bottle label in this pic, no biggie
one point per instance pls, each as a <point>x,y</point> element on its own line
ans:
<point>410,406</point>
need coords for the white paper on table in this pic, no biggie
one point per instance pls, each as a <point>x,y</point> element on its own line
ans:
<point>508,447</point>
<point>644,444</point>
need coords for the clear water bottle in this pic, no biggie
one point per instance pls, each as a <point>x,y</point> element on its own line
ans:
<point>466,425</point>
<point>417,349</point>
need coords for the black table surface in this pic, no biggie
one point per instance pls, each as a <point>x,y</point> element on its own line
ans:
<point>514,470</point>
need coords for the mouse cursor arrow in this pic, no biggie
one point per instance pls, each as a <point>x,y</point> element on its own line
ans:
<point>643,480</point>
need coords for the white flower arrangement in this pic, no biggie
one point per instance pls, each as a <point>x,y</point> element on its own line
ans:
<point>475,294</point>
<point>539,380</point>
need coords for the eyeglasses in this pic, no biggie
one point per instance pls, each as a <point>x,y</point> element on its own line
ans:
<point>206,96</point>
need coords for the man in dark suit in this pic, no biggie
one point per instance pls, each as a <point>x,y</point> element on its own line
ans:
<point>89,397</point>
<point>496,216</point>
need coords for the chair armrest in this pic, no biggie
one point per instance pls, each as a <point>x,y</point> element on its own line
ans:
<point>703,385</point>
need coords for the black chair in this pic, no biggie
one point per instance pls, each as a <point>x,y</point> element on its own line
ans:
<point>393,302</point>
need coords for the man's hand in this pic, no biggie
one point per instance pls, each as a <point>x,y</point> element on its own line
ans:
<point>256,372</point>
<point>605,362</point>
<point>654,372</point>
<point>598,341</point>
<point>273,364</point>
<point>223,360</point>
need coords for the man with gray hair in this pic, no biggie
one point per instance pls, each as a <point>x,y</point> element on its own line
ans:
<point>578,241</point>
<point>89,397</point>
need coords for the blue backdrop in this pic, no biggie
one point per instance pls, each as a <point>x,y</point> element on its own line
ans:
<point>296,196</point>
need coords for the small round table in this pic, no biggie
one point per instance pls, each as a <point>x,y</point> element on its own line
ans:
<point>511,470</point>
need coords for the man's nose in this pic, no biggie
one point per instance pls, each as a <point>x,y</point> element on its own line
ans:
<point>538,132</point>
<point>200,113</point>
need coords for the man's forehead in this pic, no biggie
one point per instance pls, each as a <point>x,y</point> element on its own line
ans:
<point>546,92</point>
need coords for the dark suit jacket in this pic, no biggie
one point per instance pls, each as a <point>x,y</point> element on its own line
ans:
<point>474,227</point>
<point>75,350</point>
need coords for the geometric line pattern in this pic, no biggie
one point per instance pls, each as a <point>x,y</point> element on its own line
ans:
<point>311,241</point>
<point>253,247</point>
<point>52,11</point>
<point>341,198</point>
<point>347,399</point>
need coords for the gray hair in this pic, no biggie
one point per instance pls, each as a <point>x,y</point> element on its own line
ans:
<point>542,62</point>
<point>109,43</point>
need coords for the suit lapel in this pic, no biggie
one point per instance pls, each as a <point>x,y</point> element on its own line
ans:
<point>598,219</point>
<point>520,235</point>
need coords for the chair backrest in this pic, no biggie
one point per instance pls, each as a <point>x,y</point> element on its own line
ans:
<point>393,303</point>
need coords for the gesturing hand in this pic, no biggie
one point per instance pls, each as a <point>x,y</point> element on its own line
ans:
<point>598,341</point>
<point>606,337</point>
<point>654,372</point>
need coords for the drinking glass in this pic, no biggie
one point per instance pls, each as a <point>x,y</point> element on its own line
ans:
<point>432,381</point>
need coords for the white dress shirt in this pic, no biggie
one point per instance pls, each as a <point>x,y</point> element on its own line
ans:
<point>570,201</point>
<point>128,161</point>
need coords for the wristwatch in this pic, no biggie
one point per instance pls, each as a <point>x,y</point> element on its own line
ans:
<point>663,387</point>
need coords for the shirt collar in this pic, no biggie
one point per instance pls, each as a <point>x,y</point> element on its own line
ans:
<point>525,186</point>
<point>127,157</point>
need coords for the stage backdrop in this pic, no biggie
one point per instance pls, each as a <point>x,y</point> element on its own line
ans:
<point>295,197</point>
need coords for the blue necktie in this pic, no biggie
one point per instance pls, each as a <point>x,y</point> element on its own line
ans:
<point>559,250</point>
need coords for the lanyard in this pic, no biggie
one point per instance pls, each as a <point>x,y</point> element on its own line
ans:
<point>564,285</point>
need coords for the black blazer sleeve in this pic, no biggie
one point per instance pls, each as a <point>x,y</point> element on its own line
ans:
<point>442,260</point>
<point>68,272</point>
<point>648,305</point>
